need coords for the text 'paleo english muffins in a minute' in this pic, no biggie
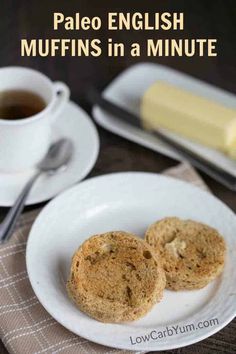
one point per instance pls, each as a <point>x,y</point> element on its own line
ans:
<point>192,253</point>
<point>115,277</point>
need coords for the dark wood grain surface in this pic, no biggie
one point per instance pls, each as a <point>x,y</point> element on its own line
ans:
<point>204,19</point>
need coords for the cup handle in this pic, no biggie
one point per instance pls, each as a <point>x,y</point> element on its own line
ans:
<point>62,92</point>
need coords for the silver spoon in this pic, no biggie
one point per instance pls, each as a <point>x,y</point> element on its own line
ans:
<point>56,159</point>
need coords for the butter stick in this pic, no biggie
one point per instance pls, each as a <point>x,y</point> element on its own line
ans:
<point>189,115</point>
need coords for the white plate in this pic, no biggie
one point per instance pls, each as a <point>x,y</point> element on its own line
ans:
<point>75,124</point>
<point>130,201</point>
<point>127,90</point>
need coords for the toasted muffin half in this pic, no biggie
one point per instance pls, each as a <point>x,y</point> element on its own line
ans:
<point>192,253</point>
<point>115,277</point>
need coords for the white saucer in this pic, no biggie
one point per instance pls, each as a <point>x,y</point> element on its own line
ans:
<point>131,202</point>
<point>75,124</point>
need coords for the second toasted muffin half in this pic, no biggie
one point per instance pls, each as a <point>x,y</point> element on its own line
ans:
<point>192,253</point>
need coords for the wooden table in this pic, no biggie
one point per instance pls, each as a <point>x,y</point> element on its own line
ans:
<point>24,19</point>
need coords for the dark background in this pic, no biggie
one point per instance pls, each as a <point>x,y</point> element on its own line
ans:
<point>203,19</point>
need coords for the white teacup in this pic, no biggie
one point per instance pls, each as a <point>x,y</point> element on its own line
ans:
<point>24,142</point>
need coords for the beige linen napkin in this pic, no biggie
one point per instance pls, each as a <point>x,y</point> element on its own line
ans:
<point>25,326</point>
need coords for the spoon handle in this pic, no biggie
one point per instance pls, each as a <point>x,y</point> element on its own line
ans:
<point>8,224</point>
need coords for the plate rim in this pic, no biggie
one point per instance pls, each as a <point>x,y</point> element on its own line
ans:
<point>210,330</point>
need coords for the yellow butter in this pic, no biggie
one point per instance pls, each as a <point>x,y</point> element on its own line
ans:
<point>232,149</point>
<point>189,115</point>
